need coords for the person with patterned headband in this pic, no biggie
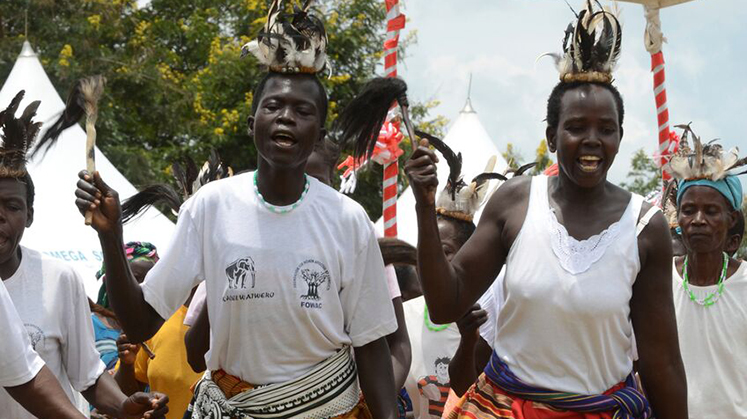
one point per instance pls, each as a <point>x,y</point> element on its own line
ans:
<point>48,294</point>
<point>579,281</point>
<point>293,273</point>
<point>709,285</point>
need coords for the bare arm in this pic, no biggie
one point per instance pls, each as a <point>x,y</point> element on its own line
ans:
<point>464,366</point>
<point>197,341</point>
<point>399,346</point>
<point>125,375</point>
<point>446,291</point>
<point>375,374</point>
<point>653,316</point>
<point>44,398</point>
<point>107,398</point>
<point>138,319</point>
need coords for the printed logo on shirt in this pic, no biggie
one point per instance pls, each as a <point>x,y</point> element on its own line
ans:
<point>241,274</point>
<point>435,388</point>
<point>237,273</point>
<point>314,275</point>
<point>36,335</point>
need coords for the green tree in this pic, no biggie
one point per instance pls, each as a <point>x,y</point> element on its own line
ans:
<point>176,84</point>
<point>542,157</point>
<point>644,176</point>
<point>512,156</point>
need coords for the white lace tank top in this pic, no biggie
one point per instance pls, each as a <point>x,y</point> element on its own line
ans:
<point>565,323</point>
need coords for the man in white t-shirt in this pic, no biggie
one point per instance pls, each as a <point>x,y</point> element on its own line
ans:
<point>710,289</point>
<point>293,271</point>
<point>23,374</point>
<point>49,296</point>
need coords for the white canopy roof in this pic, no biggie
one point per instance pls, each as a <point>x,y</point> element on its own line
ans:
<point>468,136</point>
<point>58,229</point>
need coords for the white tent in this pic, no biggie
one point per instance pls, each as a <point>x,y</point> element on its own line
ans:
<point>466,135</point>
<point>58,229</point>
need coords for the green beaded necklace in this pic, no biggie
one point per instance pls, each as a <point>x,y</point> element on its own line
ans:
<point>711,298</point>
<point>281,209</point>
<point>432,327</point>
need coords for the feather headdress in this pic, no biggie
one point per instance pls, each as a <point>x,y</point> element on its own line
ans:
<point>591,47</point>
<point>458,199</point>
<point>18,135</point>
<point>189,180</point>
<point>702,161</point>
<point>295,43</point>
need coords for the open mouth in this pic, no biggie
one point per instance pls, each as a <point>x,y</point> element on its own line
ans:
<point>284,140</point>
<point>589,164</point>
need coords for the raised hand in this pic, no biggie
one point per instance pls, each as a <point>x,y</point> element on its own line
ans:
<point>95,195</point>
<point>421,171</point>
<point>146,405</point>
<point>127,351</point>
<point>469,325</point>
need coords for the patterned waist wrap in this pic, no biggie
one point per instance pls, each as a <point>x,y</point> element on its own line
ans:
<point>626,403</point>
<point>329,389</point>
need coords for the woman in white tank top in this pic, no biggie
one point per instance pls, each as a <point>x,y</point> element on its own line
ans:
<point>578,280</point>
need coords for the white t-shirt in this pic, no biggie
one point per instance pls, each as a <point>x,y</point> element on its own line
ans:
<point>18,361</point>
<point>428,382</point>
<point>713,344</point>
<point>198,300</point>
<point>52,303</point>
<point>284,291</point>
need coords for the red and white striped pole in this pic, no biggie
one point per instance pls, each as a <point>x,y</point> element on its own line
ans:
<point>654,39</point>
<point>395,23</point>
<point>662,112</point>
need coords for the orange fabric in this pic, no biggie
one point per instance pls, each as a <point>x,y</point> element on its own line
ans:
<point>229,384</point>
<point>485,400</point>
<point>232,386</point>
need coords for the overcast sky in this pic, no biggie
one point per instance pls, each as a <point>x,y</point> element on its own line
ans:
<point>498,41</point>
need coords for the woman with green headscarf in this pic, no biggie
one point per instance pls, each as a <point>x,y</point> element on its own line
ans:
<point>709,286</point>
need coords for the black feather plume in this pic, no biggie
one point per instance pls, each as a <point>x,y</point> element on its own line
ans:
<point>148,197</point>
<point>454,160</point>
<point>18,135</point>
<point>483,177</point>
<point>361,121</point>
<point>521,170</point>
<point>74,111</point>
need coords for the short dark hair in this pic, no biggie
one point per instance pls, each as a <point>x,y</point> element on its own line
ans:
<point>464,229</point>
<point>30,191</point>
<point>556,96</point>
<point>322,100</point>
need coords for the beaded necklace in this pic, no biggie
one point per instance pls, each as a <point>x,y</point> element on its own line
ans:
<point>432,327</point>
<point>285,208</point>
<point>711,298</point>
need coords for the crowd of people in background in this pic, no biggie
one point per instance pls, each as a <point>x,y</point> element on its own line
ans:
<point>570,298</point>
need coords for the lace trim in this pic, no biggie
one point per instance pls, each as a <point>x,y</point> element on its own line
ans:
<point>577,256</point>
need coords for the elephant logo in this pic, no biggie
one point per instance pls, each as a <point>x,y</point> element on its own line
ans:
<point>237,273</point>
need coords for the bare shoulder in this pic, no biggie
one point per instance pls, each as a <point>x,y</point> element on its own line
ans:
<point>507,207</point>
<point>655,241</point>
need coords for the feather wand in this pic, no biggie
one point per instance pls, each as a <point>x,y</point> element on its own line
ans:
<point>91,89</point>
<point>361,121</point>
